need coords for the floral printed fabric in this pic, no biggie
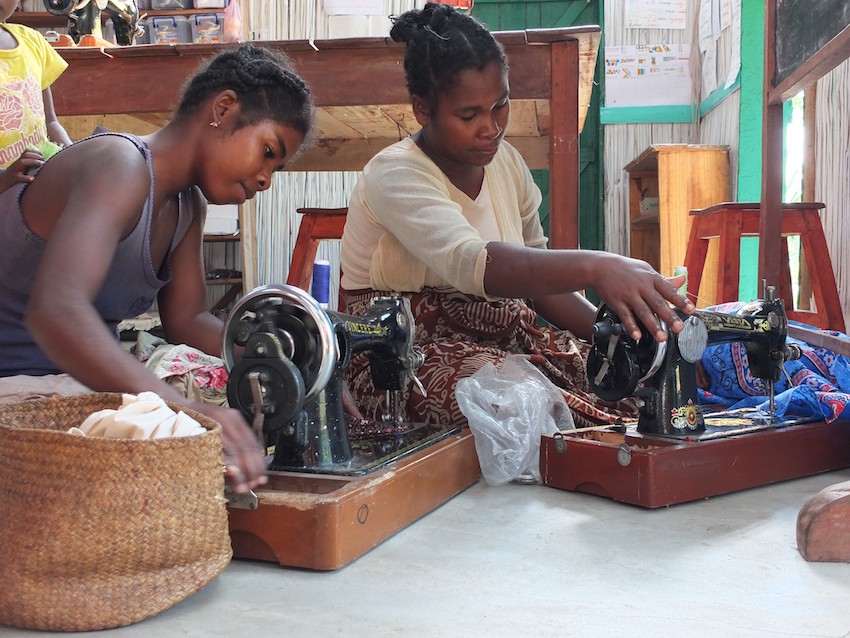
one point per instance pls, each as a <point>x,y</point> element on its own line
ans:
<point>816,386</point>
<point>195,375</point>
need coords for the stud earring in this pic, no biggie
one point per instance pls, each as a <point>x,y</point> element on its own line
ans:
<point>215,124</point>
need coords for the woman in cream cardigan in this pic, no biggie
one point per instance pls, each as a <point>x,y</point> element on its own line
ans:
<point>449,217</point>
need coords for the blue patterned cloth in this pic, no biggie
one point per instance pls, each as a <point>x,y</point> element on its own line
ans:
<point>816,386</point>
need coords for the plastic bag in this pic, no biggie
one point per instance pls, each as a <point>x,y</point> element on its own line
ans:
<point>232,22</point>
<point>509,408</point>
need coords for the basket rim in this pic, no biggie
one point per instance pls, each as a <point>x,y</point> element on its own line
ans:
<point>21,408</point>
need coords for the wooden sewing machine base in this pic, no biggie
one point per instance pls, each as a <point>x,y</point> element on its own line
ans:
<point>654,471</point>
<point>324,522</point>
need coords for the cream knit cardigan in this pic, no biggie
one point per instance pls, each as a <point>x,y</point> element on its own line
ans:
<point>406,230</point>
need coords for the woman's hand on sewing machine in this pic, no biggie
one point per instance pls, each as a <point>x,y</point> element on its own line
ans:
<point>245,466</point>
<point>641,297</point>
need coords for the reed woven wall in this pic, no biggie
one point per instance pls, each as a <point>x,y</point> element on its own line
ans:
<point>832,172</point>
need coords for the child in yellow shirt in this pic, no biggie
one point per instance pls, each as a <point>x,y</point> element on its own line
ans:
<point>28,66</point>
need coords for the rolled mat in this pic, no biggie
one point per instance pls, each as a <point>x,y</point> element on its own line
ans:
<point>98,533</point>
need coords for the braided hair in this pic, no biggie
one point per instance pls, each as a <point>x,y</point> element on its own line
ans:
<point>264,82</point>
<point>442,42</point>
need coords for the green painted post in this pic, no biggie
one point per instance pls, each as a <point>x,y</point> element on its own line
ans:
<point>750,136</point>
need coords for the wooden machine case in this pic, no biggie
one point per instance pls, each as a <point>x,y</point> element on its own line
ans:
<point>654,471</point>
<point>324,522</point>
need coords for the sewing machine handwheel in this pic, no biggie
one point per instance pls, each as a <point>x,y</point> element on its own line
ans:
<point>294,314</point>
<point>282,383</point>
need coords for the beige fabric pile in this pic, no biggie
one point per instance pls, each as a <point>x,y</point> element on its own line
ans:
<point>142,416</point>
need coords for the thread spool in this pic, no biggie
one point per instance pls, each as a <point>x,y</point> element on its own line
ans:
<point>321,286</point>
<point>682,270</point>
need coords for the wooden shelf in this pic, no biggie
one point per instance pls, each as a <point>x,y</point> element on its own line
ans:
<point>217,238</point>
<point>46,20</point>
<point>650,218</point>
<point>233,284</point>
<point>364,106</point>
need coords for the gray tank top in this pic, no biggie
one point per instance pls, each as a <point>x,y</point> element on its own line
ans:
<point>130,287</point>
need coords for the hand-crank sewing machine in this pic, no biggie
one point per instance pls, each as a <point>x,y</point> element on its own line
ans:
<point>679,450</point>
<point>288,380</point>
<point>332,494</point>
<point>668,397</point>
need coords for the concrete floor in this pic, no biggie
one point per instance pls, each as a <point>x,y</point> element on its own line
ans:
<point>520,560</point>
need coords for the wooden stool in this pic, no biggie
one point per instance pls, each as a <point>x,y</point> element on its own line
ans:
<point>728,222</point>
<point>318,224</point>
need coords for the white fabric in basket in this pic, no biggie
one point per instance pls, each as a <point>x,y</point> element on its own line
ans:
<point>142,416</point>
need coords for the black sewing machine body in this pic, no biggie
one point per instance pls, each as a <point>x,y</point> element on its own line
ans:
<point>288,379</point>
<point>662,375</point>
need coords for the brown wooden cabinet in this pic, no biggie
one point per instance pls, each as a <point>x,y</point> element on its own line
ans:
<point>666,182</point>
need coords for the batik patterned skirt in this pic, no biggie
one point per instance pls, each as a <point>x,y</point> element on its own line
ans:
<point>459,334</point>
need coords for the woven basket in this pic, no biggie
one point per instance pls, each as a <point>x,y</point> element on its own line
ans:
<point>98,533</point>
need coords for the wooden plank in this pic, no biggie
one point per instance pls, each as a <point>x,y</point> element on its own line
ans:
<point>524,121</point>
<point>563,147</point>
<point>820,339</point>
<point>810,71</point>
<point>368,70</point>
<point>352,154</point>
<point>690,176</point>
<point>80,126</point>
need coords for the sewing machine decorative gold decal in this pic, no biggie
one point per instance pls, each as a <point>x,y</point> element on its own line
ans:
<point>686,417</point>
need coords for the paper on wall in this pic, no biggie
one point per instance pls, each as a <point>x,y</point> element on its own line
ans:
<point>656,14</point>
<point>725,14</point>
<point>648,75</point>
<point>735,60</point>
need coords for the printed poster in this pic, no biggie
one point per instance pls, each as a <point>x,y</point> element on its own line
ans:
<point>648,75</point>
